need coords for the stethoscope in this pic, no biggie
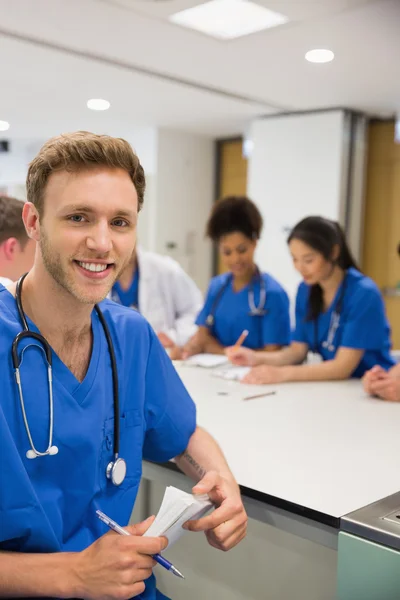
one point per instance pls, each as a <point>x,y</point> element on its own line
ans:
<point>116,469</point>
<point>255,311</point>
<point>334,322</point>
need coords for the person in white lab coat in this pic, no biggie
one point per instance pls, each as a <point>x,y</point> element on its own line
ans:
<point>17,250</point>
<point>164,294</point>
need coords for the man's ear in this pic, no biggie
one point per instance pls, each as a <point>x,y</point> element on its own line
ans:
<point>30,217</point>
<point>11,247</point>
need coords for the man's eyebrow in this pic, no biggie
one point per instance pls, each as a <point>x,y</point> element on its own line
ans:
<point>77,208</point>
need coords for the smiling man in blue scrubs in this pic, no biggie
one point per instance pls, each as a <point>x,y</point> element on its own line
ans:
<point>84,193</point>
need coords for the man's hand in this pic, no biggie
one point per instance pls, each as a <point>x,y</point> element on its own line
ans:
<point>242,356</point>
<point>227,525</point>
<point>116,566</point>
<point>265,374</point>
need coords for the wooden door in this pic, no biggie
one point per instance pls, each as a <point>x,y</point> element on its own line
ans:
<point>232,176</point>
<point>382,219</point>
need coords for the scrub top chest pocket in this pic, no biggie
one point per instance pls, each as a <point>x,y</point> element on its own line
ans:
<point>131,444</point>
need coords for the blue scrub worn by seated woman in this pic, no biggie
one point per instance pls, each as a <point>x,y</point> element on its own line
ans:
<point>361,323</point>
<point>233,311</point>
<point>49,504</point>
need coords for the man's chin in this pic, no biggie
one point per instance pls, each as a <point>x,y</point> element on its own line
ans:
<point>93,296</point>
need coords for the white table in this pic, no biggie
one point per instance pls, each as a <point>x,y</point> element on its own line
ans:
<point>304,457</point>
<point>325,446</point>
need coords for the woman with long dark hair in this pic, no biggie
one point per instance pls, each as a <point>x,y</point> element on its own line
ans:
<point>340,314</point>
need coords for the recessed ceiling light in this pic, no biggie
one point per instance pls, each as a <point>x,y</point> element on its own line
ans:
<point>4,125</point>
<point>319,55</point>
<point>228,19</point>
<point>98,104</point>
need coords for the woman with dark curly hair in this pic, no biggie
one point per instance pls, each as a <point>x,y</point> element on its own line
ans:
<point>243,299</point>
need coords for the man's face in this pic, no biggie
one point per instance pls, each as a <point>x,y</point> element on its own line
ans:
<point>88,230</point>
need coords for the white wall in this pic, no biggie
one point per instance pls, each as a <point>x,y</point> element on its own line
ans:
<point>14,165</point>
<point>183,200</point>
<point>298,167</point>
<point>179,171</point>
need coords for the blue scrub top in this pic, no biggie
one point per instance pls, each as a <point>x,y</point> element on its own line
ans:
<point>49,504</point>
<point>232,313</point>
<point>363,323</point>
<point>129,297</point>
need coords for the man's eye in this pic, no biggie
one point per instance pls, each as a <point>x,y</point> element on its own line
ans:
<point>120,223</point>
<point>76,218</point>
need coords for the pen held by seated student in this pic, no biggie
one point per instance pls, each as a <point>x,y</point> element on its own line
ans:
<point>241,338</point>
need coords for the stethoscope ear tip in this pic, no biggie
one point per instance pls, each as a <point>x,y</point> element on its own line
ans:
<point>32,454</point>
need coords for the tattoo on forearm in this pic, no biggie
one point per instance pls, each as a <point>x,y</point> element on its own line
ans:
<point>198,468</point>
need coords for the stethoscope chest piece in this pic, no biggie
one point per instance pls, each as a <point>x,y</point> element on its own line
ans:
<point>116,471</point>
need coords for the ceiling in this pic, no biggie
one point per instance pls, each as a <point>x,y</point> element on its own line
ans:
<point>54,55</point>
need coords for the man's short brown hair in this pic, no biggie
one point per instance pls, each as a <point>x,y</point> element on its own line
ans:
<point>78,151</point>
<point>11,223</point>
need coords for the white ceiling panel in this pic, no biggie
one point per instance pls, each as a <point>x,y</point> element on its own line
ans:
<point>54,55</point>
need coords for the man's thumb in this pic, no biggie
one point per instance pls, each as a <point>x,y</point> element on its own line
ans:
<point>140,528</point>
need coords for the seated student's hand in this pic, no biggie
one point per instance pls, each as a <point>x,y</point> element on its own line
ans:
<point>242,356</point>
<point>375,374</point>
<point>387,388</point>
<point>175,352</point>
<point>191,348</point>
<point>265,374</point>
<point>116,566</point>
<point>165,340</point>
<point>227,525</point>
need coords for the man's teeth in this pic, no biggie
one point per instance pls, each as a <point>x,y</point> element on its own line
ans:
<point>96,268</point>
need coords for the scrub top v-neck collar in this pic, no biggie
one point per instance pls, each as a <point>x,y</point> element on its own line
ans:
<point>61,373</point>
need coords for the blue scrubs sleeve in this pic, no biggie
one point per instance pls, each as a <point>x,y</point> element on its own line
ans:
<point>170,412</point>
<point>365,326</point>
<point>205,311</point>
<point>276,325</point>
<point>300,330</point>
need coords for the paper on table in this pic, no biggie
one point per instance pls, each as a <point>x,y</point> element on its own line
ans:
<point>206,360</point>
<point>176,508</point>
<point>231,373</point>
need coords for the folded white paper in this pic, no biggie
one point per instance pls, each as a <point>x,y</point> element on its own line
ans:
<point>231,372</point>
<point>176,508</point>
<point>206,360</point>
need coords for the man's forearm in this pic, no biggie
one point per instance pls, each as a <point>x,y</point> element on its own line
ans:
<point>37,575</point>
<point>202,455</point>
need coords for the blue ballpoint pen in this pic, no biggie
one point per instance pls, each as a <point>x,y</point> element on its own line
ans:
<point>157,557</point>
